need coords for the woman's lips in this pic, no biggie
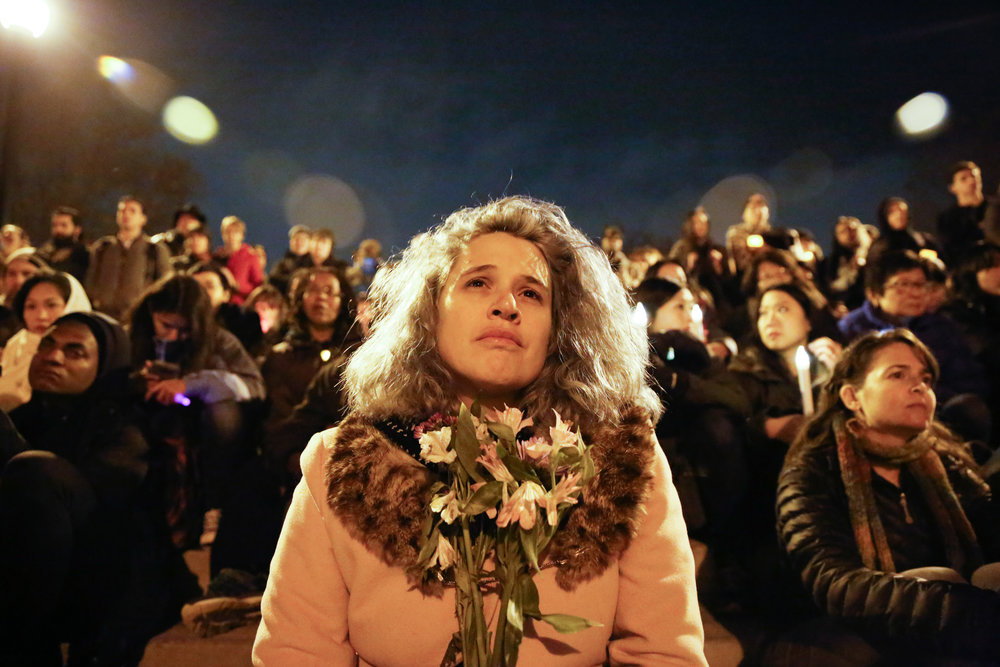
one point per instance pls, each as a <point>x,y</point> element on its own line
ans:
<point>501,335</point>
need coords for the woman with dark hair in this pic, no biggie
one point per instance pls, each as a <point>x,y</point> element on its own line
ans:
<point>844,267</point>
<point>183,356</point>
<point>40,301</point>
<point>702,428</point>
<point>895,233</point>
<point>321,328</point>
<point>771,267</point>
<point>84,553</point>
<point>505,303</point>
<point>883,513</point>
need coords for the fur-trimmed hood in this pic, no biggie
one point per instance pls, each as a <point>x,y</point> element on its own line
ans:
<point>380,494</point>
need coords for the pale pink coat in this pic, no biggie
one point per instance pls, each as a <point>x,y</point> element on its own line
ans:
<point>329,601</point>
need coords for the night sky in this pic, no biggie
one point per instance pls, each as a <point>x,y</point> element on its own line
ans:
<point>626,115</point>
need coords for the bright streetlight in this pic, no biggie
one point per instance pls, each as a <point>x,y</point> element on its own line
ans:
<point>30,15</point>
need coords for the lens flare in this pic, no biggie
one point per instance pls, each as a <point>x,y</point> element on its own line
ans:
<point>29,15</point>
<point>114,69</point>
<point>189,120</point>
<point>923,115</point>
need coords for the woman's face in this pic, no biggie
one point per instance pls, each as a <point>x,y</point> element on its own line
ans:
<point>17,274</point>
<point>898,215</point>
<point>321,300</point>
<point>495,318</point>
<point>781,322</point>
<point>44,305</point>
<point>675,314</point>
<point>171,327</point>
<point>896,396</point>
<point>268,314</point>
<point>212,284</point>
<point>847,233</point>
<point>769,273</point>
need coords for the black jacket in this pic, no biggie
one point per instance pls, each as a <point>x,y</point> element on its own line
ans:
<point>815,528</point>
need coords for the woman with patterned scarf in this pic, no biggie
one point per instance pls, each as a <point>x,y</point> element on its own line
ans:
<point>885,517</point>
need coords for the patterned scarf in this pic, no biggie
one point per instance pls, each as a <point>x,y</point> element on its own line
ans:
<point>856,456</point>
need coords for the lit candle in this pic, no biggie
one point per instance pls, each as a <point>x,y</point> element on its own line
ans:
<point>639,317</point>
<point>805,381</point>
<point>755,241</point>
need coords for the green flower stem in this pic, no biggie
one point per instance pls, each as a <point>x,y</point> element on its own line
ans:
<point>479,629</point>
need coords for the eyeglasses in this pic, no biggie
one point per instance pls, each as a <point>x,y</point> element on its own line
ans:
<point>902,285</point>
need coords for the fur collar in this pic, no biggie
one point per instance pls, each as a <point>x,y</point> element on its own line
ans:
<point>380,493</point>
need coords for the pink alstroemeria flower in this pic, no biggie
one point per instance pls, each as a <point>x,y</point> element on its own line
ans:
<point>435,447</point>
<point>535,448</point>
<point>521,506</point>
<point>560,494</point>
<point>444,554</point>
<point>493,464</point>
<point>511,417</point>
<point>561,434</point>
<point>446,506</point>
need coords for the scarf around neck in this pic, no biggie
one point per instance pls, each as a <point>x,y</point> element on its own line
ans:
<point>856,455</point>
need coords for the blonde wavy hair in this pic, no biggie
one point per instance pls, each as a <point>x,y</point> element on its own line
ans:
<point>596,363</point>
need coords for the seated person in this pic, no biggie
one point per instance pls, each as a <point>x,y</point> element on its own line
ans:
<point>896,288</point>
<point>242,323</point>
<point>85,557</point>
<point>320,329</point>
<point>184,358</point>
<point>42,299</point>
<point>883,514</point>
<point>702,429</point>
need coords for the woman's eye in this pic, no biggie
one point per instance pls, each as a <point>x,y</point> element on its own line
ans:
<point>532,294</point>
<point>475,282</point>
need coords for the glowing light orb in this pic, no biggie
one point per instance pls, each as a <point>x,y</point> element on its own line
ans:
<point>114,69</point>
<point>922,115</point>
<point>189,120</point>
<point>29,15</point>
<point>322,201</point>
<point>755,241</point>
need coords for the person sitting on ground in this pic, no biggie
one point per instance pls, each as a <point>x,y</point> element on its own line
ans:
<point>321,328</point>
<point>844,268</point>
<point>895,232</point>
<point>882,512</point>
<point>702,429</point>
<point>198,381</point>
<point>896,296</point>
<point>12,239</point>
<point>296,257</point>
<point>21,265</point>
<point>242,323</point>
<point>197,250</point>
<point>42,299</point>
<point>508,304</point>
<point>85,556</point>
<point>272,312</point>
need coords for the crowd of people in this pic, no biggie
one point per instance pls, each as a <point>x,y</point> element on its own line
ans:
<point>158,394</point>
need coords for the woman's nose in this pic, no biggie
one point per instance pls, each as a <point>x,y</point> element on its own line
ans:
<point>505,307</point>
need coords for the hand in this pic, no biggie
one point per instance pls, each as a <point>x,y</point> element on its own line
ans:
<point>718,349</point>
<point>826,350</point>
<point>716,260</point>
<point>784,428</point>
<point>164,391</point>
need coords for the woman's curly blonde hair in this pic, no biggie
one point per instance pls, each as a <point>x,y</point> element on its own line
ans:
<point>596,364</point>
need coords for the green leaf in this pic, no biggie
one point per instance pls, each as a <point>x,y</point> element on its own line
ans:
<point>430,544</point>
<point>486,497</point>
<point>529,596</point>
<point>465,443</point>
<point>567,624</point>
<point>518,468</point>
<point>463,581</point>
<point>588,468</point>
<point>514,615</point>
<point>529,541</point>
<point>502,431</point>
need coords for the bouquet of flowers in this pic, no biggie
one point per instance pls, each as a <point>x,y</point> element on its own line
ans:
<point>499,506</point>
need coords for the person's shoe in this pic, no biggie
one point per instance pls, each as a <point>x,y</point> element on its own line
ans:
<point>232,599</point>
<point>210,527</point>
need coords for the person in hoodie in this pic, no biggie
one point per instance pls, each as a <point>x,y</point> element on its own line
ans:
<point>895,233</point>
<point>84,553</point>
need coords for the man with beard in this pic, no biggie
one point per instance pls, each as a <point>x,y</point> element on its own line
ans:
<point>65,251</point>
